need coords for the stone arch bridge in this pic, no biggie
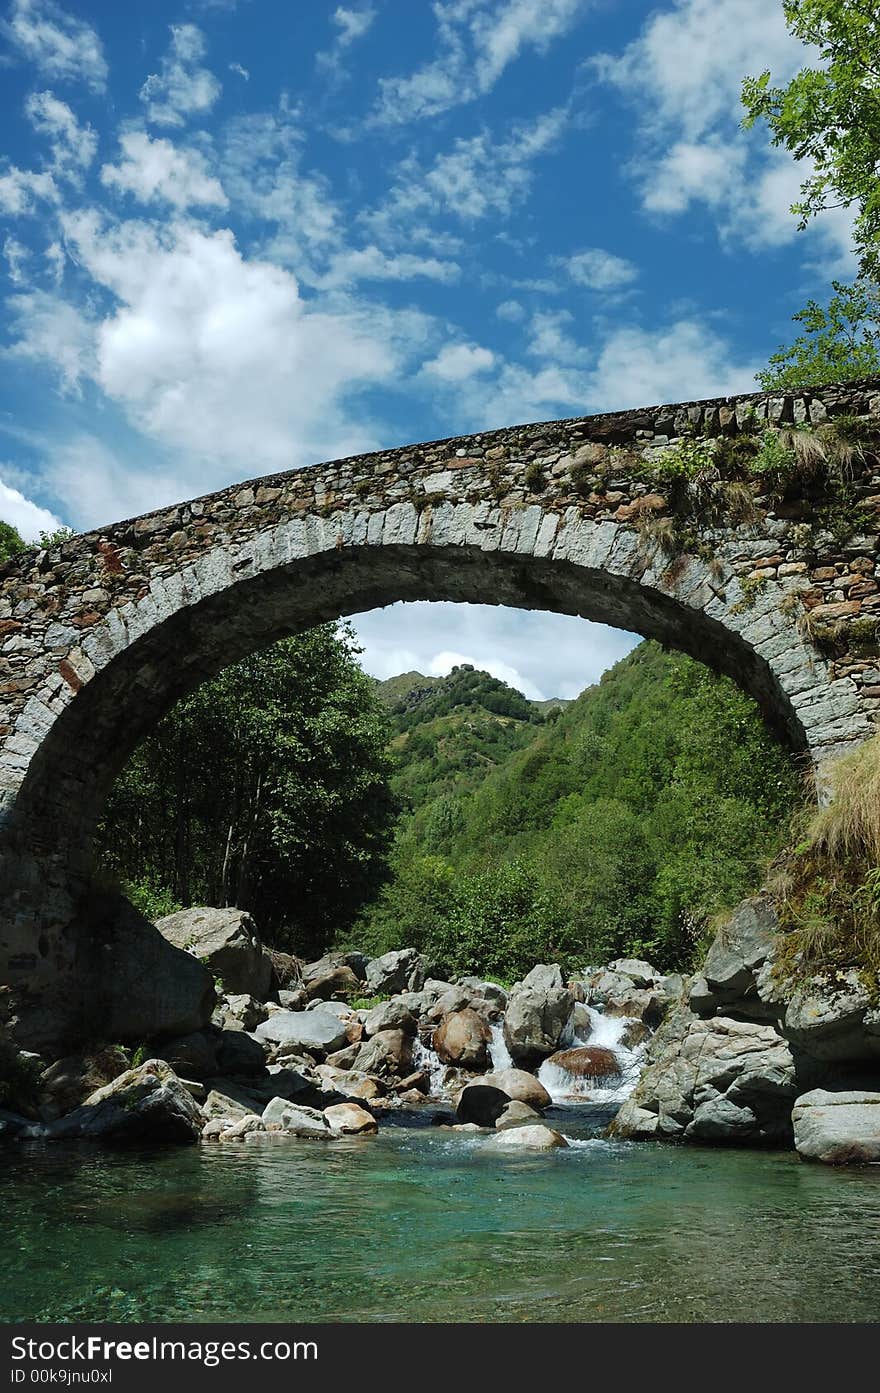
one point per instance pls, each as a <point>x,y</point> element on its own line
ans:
<point>100,635</point>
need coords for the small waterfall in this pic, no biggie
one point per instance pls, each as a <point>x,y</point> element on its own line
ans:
<point>426,1059</point>
<point>498,1051</point>
<point>605,1032</point>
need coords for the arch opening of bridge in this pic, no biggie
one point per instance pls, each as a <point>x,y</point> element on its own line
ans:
<point>101,635</point>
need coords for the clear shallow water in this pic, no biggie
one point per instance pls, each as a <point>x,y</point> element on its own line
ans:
<point>423,1225</point>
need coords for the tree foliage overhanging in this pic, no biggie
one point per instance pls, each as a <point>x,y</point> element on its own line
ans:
<point>267,789</point>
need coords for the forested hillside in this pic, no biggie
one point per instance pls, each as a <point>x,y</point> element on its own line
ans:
<point>616,826</point>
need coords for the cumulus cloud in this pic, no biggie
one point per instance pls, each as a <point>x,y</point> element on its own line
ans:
<point>157,171</point>
<point>49,330</point>
<point>59,44</point>
<point>22,189</point>
<point>457,361</point>
<point>72,146</point>
<point>600,270</point>
<point>477,40</point>
<point>637,366</point>
<point>28,518</point>
<point>183,87</point>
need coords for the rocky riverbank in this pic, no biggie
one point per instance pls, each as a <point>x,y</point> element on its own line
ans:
<point>282,1049</point>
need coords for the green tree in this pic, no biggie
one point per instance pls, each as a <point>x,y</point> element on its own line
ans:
<point>829,115</point>
<point>842,341</point>
<point>267,789</point>
<point>11,541</point>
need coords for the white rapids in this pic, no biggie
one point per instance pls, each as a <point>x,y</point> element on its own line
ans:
<point>604,1031</point>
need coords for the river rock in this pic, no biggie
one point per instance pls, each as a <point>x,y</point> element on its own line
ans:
<point>388,1053</point>
<point>463,1038</point>
<point>486,991</point>
<point>587,1062</point>
<point>367,1089</point>
<point>229,1101</point>
<point>728,984</point>
<point>227,942</point>
<point>193,1056</point>
<point>640,973</point>
<point>538,1015</point>
<point>831,1018</point>
<point>397,971</point>
<point>67,1082</point>
<point>453,999</point>
<point>520,1086</point>
<point>238,1130</point>
<point>530,1138</point>
<point>515,1115</point>
<point>717,1080</point>
<point>347,1119</point>
<point>317,1031</point>
<point>339,983</point>
<point>143,1105</point>
<point>240,1012</point>
<point>280,1115</point>
<point>139,985</point>
<point>239,1055</point>
<point>633,1034</point>
<point>482,1104</point>
<point>390,1015</point>
<point>838,1128</point>
<point>356,963</point>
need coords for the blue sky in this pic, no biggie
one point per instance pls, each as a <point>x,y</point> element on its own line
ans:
<point>245,235</point>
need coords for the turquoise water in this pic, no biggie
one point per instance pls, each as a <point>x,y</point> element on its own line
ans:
<point>418,1224</point>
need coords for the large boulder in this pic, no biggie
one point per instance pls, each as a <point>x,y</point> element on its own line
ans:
<point>728,984</point>
<point>838,1128</point>
<point>482,1104</point>
<point>316,1032</point>
<point>67,1082</point>
<point>463,1038</point>
<point>147,1104</point>
<point>717,1080</point>
<point>520,1086</point>
<point>538,1137</point>
<point>137,985</point>
<point>390,1015</point>
<point>295,1119</point>
<point>831,1017</point>
<point>239,1012</point>
<point>239,1055</point>
<point>337,984</point>
<point>516,1114</point>
<point>347,1119</point>
<point>192,1056</point>
<point>388,1054</point>
<point>538,1015</point>
<point>588,1062</point>
<point>487,991</point>
<point>355,963</point>
<point>640,973</point>
<point>397,971</point>
<point>227,942</point>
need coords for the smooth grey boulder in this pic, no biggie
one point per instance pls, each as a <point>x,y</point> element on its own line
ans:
<point>397,971</point>
<point>147,1104</point>
<point>280,1115</point>
<point>227,942</point>
<point>716,1080</point>
<point>838,1128</point>
<point>390,1015</point>
<point>640,973</point>
<point>728,983</point>
<point>538,1137</point>
<point>520,1086</point>
<point>318,1031</point>
<point>515,1115</point>
<point>388,1053</point>
<point>538,1016</point>
<point>137,985</point>
<point>832,1018</point>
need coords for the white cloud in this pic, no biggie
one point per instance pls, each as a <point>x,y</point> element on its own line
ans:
<point>370,264</point>
<point>350,26</point>
<point>50,330</point>
<point>535,651</point>
<point>478,177</point>
<point>684,74</point>
<point>242,72</point>
<point>600,270</point>
<point>28,518</point>
<point>72,146</point>
<point>456,362</point>
<point>17,256</point>
<point>155,170</point>
<point>60,45</point>
<point>21,190</point>
<point>182,87</point>
<point>636,367</point>
<point>477,40</point>
<point>510,310</point>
